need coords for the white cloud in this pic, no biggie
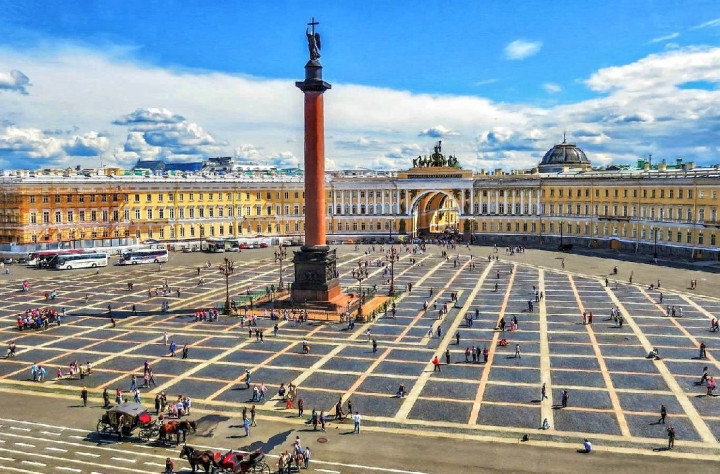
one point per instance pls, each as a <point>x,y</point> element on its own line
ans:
<point>667,37</point>
<point>14,81</point>
<point>438,131</point>
<point>123,111</point>
<point>707,24</point>
<point>659,71</point>
<point>485,82</point>
<point>521,49</point>
<point>552,88</point>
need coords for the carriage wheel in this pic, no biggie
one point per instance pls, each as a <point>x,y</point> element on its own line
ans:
<point>262,468</point>
<point>101,427</point>
<point>144,436</point>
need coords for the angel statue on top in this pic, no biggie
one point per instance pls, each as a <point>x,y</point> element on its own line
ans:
<point>313,38</point>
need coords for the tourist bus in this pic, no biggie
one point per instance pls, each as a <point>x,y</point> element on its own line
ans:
<point>80,260</point>
<point>42,258</point>
<point>215,245</point>
<point>144,256</point>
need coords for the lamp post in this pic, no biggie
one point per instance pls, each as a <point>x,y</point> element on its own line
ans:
<point>561,233</point>
<point>393,257</point>
<point>360,274</point>
<point>655,232</point>
<point>227,268</point>
<point>280,255</point>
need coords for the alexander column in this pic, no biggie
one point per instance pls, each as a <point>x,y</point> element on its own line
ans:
<point>315,264</point>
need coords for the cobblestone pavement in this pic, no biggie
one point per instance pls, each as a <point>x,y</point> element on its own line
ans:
<point>615,393</point>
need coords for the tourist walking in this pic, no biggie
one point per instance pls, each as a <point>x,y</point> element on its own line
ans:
<point>671,437</point>
<point>564,399</point>
<point>356,420</point>
<point>84,396</point>
<point>663,414</point>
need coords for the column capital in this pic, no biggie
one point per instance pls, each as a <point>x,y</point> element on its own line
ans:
<point>313,78</point>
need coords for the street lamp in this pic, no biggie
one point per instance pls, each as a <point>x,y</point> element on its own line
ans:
<point>655,232</point>
<point>360,274</point>
<point>227,268</point>
<point>561,234</point>
<point>393,257</point>
<point>280,255</point>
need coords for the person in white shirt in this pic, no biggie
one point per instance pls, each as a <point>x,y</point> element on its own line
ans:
<point>588,446</point>
<point>307,457</point>
<point>356,420</point>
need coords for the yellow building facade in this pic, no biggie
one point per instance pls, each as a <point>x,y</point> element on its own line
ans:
<point>649,210</point>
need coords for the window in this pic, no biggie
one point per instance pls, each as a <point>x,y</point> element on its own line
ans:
<point>171,197</point>
<point>161,213</point>
<point>57,198</point>
<point>32,199</point>
<point>58,217</point>
<point>116,215</point>
<point>105,216</point>
<point>70,216</point>
<point>182,213</point>
<point>201,211</point>
<point>160,197</point>
<point>137,214</point>
<point>69,198</point>
<point>93,216</point>
<point>126,215</point>
<point>45,198</point>
<point>137,198</point>
<point>201,196</point>
<point>33,218</point>
<point>92,198</point>
<point>104,198</point>
<point>81,216</point>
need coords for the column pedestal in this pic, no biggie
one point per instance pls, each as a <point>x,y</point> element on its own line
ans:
<point>316,277</point>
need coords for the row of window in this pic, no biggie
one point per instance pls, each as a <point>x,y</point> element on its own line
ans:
<point>646,193</point>
<point>45,198</point>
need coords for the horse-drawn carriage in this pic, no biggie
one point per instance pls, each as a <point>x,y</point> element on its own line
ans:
<point>232,462</point>
<point>124,419</point>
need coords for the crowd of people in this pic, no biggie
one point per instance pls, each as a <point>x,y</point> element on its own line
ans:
<point>38,318</point>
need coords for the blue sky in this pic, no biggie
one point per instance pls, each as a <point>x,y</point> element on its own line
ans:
<point>498,81</point>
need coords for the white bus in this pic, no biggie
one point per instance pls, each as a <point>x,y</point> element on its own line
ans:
<point>144,256</point>
<point>80,260</point>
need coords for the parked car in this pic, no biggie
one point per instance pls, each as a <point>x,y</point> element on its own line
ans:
<point>264,245</point>
<point>244,245</point>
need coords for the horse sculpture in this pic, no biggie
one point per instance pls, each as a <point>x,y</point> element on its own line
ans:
<point>198,458</point>
<point>172,427</point>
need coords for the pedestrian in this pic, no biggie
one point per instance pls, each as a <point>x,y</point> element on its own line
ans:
<point>301,407</point>
<point>246,425</point>
<point>436,363</point>
<point>517,351</point>
<point>374,345</point>
<point>173,346</point>
<point>106,398</point>
<point>703,353</point>
<point>185,352</point>
<point>564,399</point>
<point>165,338</point>
<point>439,332</point>
<point>457,338</point>
<point>157,403</point>
<point>247,378</point>
<point>306,456</point>
<point>84,396</point>
<point>356,420</point>
<point>134,311</point>
<point>671,436</point>
<point>322,420</point>
<point>252,416</point>
<point>447,356</point>
<point>543,392</point>
<point>663,414</point>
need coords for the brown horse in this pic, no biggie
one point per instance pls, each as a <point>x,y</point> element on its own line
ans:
<point>172,427</point>
<point>198,458</point>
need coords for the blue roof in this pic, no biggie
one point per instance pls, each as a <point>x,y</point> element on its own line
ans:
<point>183,166</point>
